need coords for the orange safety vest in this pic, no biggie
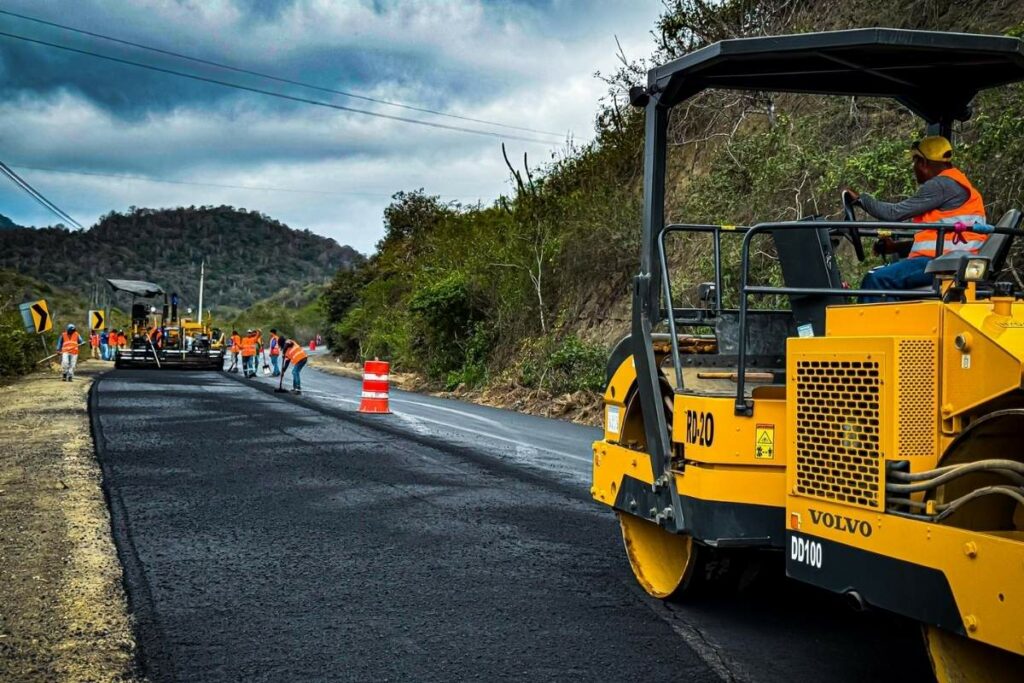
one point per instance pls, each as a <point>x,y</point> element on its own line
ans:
<point>94,340</point>
<point>248,346</point>
<point>970,212</point>
<point>275,345</point>
<point>294,353</point>
<point>69,343</point>
<point>236,343</point>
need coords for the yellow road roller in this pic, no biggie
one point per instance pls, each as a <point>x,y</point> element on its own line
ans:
<point>877,447</point>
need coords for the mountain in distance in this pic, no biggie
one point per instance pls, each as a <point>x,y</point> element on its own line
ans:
<point>249,256</point>
<point>7,224</point>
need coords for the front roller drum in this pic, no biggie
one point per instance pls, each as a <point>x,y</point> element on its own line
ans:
<point>956,659</point>
<point>662,562</point>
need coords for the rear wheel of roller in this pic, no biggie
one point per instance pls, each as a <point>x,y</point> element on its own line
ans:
<point>955,658</point>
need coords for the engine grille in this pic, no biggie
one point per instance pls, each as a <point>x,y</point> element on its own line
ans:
<point>837,430</point>
<point>917,402</point>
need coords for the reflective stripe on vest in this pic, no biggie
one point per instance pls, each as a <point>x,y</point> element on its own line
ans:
<point>248,346</point>
<point>69,343</point>
<point>294,353</point>
<point>970,212</point>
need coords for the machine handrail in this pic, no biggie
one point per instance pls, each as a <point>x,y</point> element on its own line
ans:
<point>746,290</point>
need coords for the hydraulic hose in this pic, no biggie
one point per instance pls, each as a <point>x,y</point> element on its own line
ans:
<point>946,474</point>
<point>944,510</point>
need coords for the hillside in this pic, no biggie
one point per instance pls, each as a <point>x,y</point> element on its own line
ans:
<point>530,291</point>
<point>20,351</point>
<point>295,312</point>
<point>6,223</point>
<point>249,256</point>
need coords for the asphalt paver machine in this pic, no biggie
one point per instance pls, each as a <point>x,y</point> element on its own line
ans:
<point>180,341</point>
<point>876,447</point>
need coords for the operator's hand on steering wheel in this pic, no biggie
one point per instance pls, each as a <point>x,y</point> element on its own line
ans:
<point>883,246</point>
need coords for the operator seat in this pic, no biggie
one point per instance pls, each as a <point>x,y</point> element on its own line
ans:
<point>997,247</point>
<point>808,261</point>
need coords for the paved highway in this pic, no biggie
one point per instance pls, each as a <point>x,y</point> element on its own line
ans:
<point>272,537</point>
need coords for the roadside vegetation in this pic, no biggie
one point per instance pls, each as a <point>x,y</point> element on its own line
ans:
<point>19,350</point>
<point>531,290</point>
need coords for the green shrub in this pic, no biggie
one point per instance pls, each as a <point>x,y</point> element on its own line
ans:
<point>576,365</point>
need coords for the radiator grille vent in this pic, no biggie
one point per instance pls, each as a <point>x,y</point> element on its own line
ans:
<point>917,398</point>
<point>837,430</point>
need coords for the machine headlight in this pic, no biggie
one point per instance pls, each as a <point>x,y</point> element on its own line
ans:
<point>975,270</point>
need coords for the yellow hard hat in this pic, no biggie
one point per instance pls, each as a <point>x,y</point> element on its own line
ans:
<point>932,148</point>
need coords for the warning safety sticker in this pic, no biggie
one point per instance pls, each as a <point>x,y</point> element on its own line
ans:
<point>764,442</point>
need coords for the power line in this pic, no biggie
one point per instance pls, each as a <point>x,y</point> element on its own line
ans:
<point>36,195</point>
<point>280,79</point>
<point>171,181</point>
<point>271,93</point>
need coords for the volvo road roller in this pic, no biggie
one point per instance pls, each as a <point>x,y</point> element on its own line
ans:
<point>877,447</point>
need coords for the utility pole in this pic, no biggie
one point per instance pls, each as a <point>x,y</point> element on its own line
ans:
<point>202,276</point>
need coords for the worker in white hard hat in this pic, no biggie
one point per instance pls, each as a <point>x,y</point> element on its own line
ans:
<point>67,347</point>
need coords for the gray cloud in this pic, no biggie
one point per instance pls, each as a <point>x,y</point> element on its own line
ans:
<point>527,63</point>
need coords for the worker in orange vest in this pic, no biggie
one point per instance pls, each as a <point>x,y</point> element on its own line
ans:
<point>275,352</point>
<point>94,343</point>
<point>296,357</point>
<point>248,344</point>
<point>236,348</point>
<point>67,347</point>
<point>944,195</point>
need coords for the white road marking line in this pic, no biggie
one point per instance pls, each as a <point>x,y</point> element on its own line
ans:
<point>461,413</point>
<point>489,435</point>
<point>469,430</point>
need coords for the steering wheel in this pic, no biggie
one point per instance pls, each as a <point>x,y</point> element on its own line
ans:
<point>852,232</point>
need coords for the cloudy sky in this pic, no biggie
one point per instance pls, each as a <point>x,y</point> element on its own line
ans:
<point>527,63</point>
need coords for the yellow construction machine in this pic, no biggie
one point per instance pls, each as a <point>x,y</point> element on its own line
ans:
<point>879,446</point>
<point>161,338</point>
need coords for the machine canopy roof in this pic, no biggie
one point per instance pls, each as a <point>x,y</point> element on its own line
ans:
<point>135,287</point>
<point>935,75</point>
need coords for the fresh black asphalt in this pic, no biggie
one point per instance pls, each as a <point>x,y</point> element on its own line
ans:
<point>265,537</point>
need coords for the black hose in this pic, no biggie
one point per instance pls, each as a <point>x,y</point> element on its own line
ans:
<point>947,509</point>
<point>957,471</point>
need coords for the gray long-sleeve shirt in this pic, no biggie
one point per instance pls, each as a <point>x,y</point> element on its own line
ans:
<point>938,193</point>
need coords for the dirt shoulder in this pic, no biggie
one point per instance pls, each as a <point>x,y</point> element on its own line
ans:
<point>63,615</point>
<point>581,407</point>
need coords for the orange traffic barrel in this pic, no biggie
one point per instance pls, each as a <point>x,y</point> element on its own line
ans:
<point>375,387</point>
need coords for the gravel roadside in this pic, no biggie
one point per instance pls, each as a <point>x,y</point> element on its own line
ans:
<point>63,615</point>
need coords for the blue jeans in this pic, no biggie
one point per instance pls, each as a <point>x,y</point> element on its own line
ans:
<point>274,363</point>
<point>296,369</point>
<point>105,351</point>
<point>906,274</point>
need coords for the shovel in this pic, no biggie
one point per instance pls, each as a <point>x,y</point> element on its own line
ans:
<point>266,366</point>
<point>280,386</point>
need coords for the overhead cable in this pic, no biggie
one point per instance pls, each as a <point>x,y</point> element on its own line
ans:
<point>38,196</point>
<point>279,79</point>
<point>271,93</point>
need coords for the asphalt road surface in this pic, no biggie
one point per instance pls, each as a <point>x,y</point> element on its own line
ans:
<point>272,537</point>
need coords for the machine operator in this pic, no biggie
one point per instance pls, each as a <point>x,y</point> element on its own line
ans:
<point>945,195</point>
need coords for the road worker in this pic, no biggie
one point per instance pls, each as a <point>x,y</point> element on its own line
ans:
<point>275,352</point>
<point>94,344</point>
<point>67,347</point>
<point>944,195</point>
<point>248,344</point>
<point>105,345</point>
<point>260,351</point>
<point>235,344</point>
<point>296,357</point>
